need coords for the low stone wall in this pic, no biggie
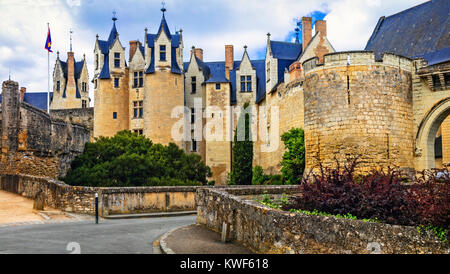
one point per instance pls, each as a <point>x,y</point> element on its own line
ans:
<point>266,230</point>
<point>112,200</point>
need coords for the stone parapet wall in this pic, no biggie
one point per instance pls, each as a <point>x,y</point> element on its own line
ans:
<point>366,58</point>
<point>112,200</point>
<point>266,230</point>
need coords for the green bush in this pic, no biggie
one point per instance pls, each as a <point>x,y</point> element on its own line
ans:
<point>293,163</point>
<point>128,159</point>
<point>259,178</point>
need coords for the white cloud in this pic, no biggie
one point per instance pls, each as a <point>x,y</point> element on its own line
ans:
<point>208,24</point>
<point>23,29</point>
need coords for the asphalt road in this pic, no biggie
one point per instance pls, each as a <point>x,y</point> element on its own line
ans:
<point>129,236</point>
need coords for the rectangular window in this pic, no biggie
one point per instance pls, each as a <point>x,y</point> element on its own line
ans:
<point>139,131</point>
<point>436,81</point>
<point>138,110</point>
<point>217,86</point>
<point>162,53</point>
<point>116,82</point>
<point>58,85</point>
<point>96,61</point>
<point>83,103</point>
<point>246,83</point>
<point>84,86</point>
<point>249,83</point>
<point>192,115</point>
<point>194,84</point>
<point>193,145</point>
<point>138,80</point>
<point>141,79</point>
<point>114,115</point>
<point>117,59</point>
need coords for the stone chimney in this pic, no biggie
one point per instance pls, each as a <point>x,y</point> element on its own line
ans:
<point>198,53</point>
<point>133,47</point>
<point>321,26</point>
<point>70,69</point>
<point>10,116</point>
<point>229,60</point>
<point>23,90</point>
<point>306,31</point>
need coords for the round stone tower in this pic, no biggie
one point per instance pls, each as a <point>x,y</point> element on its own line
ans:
<point>356,105</point>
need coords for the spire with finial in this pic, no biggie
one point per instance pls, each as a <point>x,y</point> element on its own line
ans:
<point>163,9</point>
<point>297,30</point>
<point>114,18</point>
<point>70,31</point>
<point>245,48</point>
<point>113,34</point>
<point>57,55</point>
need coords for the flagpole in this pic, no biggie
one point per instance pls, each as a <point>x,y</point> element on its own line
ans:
<point>48,76</point>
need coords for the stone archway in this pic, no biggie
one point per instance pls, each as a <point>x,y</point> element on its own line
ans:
<point>424,154</point>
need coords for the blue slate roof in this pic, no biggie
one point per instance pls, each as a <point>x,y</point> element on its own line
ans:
<point>37,99</point>
<point>285,50</point>
<point>217,72</point>
<point>421,31</point>
<point>104,48</point>
<point>174,41</point>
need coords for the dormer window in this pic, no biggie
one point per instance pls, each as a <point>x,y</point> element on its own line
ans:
<point>84,86</point>
<point>117,60</point>
<point>194,84</point>
<point>162,53</point>
<point>138,79</point>
<point>246,83</point>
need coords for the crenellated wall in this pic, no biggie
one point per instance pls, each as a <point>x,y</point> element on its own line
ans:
<point>356,105</point>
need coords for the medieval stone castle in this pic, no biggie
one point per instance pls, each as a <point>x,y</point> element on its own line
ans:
<point>386,103</point>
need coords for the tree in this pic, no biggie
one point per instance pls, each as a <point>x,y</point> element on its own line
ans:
<point>241,173</point>
<point>293,163</point>
<point>128,159</point>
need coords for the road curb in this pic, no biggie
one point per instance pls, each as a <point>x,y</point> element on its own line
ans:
<point>149,215</point>
<point>162,242</point>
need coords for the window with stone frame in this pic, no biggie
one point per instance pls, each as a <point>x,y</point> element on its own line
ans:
<point>58,85</point>
<point>138,109</point>
<point>84,87</point>
<point>194,84</point>
<point>162,53</point>
<point>114,115</point>
<point>116,82</point>
<point>138,79</point>
<point>447,79</point>
<point>436,81</point>
<point>217,86</point>
<point>192,115</point>
<point>246,83</point>
<point>117,59</point>
<point>83,103</point>
<point>138,131</point>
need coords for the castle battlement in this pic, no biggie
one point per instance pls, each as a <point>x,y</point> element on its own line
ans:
<point>357,58</point>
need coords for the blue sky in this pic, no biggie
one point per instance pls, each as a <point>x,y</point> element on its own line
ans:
<point>207,24</point>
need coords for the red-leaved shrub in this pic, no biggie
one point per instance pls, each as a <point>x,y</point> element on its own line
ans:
<point>385,196</point>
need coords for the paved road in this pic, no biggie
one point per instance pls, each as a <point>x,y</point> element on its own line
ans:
<point>110,236</point>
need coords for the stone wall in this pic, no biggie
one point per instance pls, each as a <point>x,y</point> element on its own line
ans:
<point>33,142</point>
<point>287,102</point>
<point>80,116</point>
<point>266,230</point>
<point>363,107</point>
<point>112,200</point>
